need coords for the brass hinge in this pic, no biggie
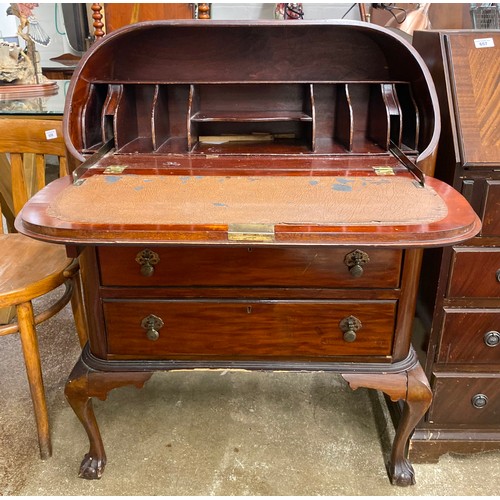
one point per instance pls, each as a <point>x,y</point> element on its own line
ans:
<point>250,232</point>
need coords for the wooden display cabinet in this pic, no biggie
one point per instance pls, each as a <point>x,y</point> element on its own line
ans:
<point>263,207</point>
<point>460,292</point>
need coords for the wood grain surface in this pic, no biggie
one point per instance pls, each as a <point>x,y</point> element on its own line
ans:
<point>474,272</point>
<point>40,272</point>
<point>249,329</point>
<point>298,267</point>
<point>453,399</point>
<point>476,77</point>
<point>463,337</point>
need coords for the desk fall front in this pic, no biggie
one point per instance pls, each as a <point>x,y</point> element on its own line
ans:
<point>252,196</point>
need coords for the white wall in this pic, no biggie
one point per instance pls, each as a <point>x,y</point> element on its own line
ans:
<point>49,15</point>
<point>252,10</point>
<point>8,24</point>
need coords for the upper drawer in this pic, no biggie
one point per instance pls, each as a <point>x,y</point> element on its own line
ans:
<point>475,272</point>
<point>470,336</point>
<point>249,266</point>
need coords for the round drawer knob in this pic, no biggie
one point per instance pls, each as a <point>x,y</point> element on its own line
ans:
<point>491,339</point>
<point>497,274</point>
<point>357,270</point>
<point>350,336</point>
<point>479,401</point>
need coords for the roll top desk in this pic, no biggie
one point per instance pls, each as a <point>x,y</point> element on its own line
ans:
<point>252,196</point>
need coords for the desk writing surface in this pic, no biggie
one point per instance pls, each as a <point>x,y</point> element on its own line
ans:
<point>342,209</point>
<point>206,200</point>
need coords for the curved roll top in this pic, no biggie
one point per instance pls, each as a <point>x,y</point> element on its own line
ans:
<point>187,52</point>
<point>340,76</point>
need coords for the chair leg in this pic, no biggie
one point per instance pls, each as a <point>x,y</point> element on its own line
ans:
<point>34,371</point>
<point>78,310</point>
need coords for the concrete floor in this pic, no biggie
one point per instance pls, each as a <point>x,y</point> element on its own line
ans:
<point>213,433</point>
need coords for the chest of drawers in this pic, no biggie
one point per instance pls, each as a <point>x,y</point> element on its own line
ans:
<point>250,302</point>
<point>260,209</point>
<point>460,293</point>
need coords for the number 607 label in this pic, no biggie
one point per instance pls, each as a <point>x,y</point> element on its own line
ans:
<point>482,43</point>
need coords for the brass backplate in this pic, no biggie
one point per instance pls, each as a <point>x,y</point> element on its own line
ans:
<point>115,169</point>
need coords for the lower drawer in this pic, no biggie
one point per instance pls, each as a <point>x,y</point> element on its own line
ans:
<point>467,399</point>
<point>470,336</point>
<point>249,329</point>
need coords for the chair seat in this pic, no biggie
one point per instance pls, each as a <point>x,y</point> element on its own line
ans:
<point>29,268</point>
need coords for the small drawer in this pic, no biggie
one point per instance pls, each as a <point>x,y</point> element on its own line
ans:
<point>249,266</point>
<point>475,272</point>
<point>466,399</point>
<point>491,209</point>
<point>484,196</point>
<point>251,329</point>
<point>470,336</point>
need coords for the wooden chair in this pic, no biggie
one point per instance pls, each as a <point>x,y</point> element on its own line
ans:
<point>25,140</point>
<point>30,268</point>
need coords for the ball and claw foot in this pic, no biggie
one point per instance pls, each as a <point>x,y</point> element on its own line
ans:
<point>402,474</point>
<point>91,468</point>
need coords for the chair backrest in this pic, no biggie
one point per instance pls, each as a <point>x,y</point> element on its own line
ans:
<point>27,142</point>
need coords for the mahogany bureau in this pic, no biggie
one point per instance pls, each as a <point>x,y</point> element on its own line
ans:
<point>252,196</point>
<point>460,292</point>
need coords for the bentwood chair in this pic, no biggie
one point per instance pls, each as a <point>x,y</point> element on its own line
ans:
<point>30,268</point>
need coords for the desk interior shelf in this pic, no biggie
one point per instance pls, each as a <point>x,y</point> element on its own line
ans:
<point>323,118</point>
<point>355,95</point>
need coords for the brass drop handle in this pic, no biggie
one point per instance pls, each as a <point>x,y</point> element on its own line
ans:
<point>491,339</point>
<point>479,401</point>
<point>349,326</point>
<point>152,324</point>
<point>147,259</point>
<point>355,261</point>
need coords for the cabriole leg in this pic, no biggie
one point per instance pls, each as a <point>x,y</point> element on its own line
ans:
<point>413,388</point>
<point>83,384</point>
<point>417,402</point>
<point>77,393</point>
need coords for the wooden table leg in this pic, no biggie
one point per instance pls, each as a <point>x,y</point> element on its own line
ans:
<point>416,403</point>
<point>31,354</point>
<point>83,384</point>
<point>413,388</point>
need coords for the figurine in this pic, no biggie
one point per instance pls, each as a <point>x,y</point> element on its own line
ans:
<point>15,66</point>
<point>31,32</point>
<point>28,22</point>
